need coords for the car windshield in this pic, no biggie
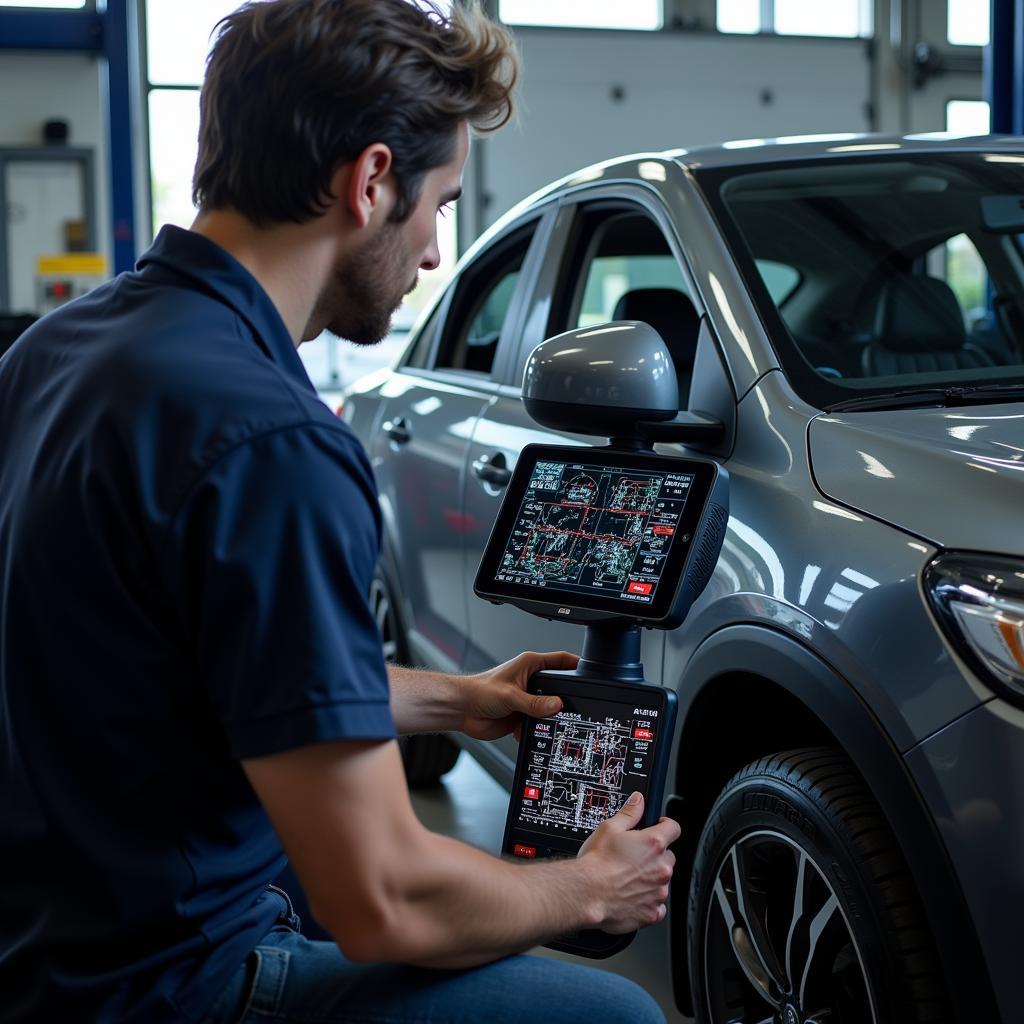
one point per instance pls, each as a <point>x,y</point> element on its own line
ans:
<point>885,276</point>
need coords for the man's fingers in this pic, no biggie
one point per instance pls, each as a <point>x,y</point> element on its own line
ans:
<point>540,707</point>
<point>628,815</point>
<point>551,660</point>
<point>561,660</point>
<point>669,828</point>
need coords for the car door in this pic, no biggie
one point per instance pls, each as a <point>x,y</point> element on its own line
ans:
<point>608,259</point>
<point>431,405</point>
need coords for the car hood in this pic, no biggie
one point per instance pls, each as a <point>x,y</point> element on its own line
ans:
<point>952,476</point>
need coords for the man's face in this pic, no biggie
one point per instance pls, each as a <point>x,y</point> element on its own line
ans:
<point>367,286</point>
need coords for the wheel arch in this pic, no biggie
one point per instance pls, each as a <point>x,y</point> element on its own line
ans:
<point>789,697</point>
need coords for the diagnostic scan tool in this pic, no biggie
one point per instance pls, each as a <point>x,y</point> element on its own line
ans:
<point>612,539</point>
<point>617,539</point>
<point>603,534</point>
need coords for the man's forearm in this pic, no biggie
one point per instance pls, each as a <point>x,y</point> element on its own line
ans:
<point>424,701</point>
<point>459,907</point>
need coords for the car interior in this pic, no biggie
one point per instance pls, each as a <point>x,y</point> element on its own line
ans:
<point>898,272</point>
<point>621,268</point>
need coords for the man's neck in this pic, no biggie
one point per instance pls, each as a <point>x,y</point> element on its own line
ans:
<point>290,261</point>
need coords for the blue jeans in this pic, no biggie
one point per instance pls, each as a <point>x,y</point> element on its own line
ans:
<point>289,979</point>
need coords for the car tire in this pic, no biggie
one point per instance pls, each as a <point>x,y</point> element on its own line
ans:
<point>426,758</point>
<point>802,908</point>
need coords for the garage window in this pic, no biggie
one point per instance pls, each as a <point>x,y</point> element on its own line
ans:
<point>968,117</point>
<point>640,14</point>
<point>844,18</point>
<point>967,22</point>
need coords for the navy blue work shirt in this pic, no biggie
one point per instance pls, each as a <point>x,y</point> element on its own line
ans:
<point>187,541</point>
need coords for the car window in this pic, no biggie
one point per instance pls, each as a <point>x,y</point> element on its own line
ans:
<point>419,354</point>
<point>481,304</point>
<point>626,253</point>
<point>908,269</point>
<point>957,262</point>
<point>611,277</point>
<point>487,323</point>
<point>621,267</point>
<point>780,280</point>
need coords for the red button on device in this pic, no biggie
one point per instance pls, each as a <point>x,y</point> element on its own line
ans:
<point>531,793</point>
<point>643,734</point>
<point>636,587</point>
<point>664,531</point>
<point>524,851</point>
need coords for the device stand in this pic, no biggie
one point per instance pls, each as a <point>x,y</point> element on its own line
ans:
<point>611,651</point>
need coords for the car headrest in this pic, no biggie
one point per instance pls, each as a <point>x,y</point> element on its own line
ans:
<point>671,313</point>
<point>919,314</point>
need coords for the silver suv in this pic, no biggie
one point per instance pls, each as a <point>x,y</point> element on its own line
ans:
<point>849,766</point>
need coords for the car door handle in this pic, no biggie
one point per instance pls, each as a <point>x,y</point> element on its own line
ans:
<point>492,470</point>
<point>398,430</point>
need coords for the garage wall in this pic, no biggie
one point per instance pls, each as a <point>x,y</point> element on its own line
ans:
<point>38,87</point>
<point>589,95</point>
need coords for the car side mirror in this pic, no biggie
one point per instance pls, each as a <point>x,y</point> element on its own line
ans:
<point>615,380</point>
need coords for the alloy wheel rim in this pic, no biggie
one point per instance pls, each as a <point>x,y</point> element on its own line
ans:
<point>778,947</point>
<point>380,606</point>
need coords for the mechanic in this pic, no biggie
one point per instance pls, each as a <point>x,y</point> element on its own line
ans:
<point>190,676</point>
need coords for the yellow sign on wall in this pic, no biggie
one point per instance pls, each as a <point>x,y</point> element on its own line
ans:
<point>83,264</point>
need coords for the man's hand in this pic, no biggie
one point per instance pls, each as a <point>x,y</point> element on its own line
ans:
<point>495,700</point>
<point>633,867</point>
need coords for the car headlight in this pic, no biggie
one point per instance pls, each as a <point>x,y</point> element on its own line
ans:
<point>979,600</point>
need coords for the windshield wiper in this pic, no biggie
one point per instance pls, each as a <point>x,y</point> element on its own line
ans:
<point>918,398</point>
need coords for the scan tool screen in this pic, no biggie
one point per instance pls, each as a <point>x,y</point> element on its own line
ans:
<point>597,530</point>
<point>590,529</point>
<point>581,765</point>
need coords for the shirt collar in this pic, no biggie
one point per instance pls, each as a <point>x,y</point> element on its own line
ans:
<point>219,274</point>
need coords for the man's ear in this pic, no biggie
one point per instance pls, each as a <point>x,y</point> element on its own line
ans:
<point>365,185</point>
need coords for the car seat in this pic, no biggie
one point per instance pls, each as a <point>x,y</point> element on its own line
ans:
<point>671,313</point>
<point>919,328</point>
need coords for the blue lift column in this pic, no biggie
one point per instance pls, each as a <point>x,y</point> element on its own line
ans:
<point>104,32</point>
<point>1004,67</point>
<point>119,49</point>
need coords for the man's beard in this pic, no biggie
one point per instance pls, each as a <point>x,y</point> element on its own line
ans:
<point>365,290</point>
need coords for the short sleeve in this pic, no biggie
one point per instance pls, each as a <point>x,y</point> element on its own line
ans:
<point>270,560</point>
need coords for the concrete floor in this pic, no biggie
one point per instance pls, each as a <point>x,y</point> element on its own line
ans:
<point>471,806</point>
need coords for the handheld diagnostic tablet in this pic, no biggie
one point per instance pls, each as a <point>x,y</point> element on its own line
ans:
<point>578,768</point>
<point>615,539</point>
<point>597,534</point>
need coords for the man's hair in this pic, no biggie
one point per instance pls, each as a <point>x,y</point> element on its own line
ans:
<point>296,88</point>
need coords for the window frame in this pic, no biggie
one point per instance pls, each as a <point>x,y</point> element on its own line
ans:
<point>607,203</point>
<point>539,324</point>
<point>567,225</point>
<point>541,219</point>
<point>468,298</point>
<point>591,253</point>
